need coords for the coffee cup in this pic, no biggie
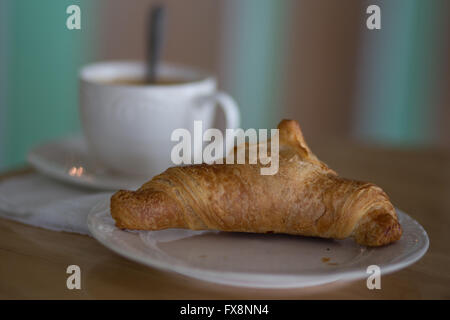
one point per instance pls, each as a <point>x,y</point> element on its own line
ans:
<point>127,123</point>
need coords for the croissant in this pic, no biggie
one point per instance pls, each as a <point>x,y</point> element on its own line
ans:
<point>304,197</point>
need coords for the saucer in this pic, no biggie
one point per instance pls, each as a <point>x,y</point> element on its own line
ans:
<point>68,160</point>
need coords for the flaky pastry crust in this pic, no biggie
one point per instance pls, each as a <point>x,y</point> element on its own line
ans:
<point>304,198</point>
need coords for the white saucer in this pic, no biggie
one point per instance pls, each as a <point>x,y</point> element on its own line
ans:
<point>257,260</point>
<point>68,160</point>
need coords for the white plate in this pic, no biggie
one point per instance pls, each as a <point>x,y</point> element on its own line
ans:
<point>68,160</point>
<point>257,260</point>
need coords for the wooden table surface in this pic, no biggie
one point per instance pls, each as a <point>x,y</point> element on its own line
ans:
<point>33,261</point>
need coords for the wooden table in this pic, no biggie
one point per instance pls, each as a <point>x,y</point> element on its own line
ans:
<point>33,261</point>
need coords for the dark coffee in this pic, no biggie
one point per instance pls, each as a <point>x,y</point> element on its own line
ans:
<point>144,82</point>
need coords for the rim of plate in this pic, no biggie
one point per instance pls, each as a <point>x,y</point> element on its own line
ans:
<point>58,171</point>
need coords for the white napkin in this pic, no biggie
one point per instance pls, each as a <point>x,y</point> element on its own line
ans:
<point>39,201</point>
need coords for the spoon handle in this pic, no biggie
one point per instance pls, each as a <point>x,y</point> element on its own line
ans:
<point>155,43</point>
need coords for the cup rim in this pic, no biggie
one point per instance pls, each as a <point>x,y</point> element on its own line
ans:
<point>98,73</point>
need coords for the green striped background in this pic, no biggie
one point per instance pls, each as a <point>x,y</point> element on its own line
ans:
<point>42,59</point>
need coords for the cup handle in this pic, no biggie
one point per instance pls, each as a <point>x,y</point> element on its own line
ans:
<point>229,107</point>
<point>230,110</point>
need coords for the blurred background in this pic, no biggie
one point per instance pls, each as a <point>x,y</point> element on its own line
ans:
<point>310,60</point>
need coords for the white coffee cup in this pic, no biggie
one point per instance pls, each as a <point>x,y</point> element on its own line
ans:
<point>128,127</point>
